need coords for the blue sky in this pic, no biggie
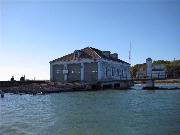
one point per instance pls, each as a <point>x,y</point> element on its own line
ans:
<point>33,32</point>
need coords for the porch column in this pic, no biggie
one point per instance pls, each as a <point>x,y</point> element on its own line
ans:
<point>65,74</point>
<point>82,71</point>
<point>99,71</point>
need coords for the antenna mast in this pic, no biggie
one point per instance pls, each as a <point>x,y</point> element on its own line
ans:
<point>130,53</point>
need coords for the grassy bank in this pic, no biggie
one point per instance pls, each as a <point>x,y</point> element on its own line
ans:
<point>172,81</point>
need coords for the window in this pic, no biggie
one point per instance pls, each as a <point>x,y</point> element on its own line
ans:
<point>77,53</point>
<point>106,73</point>
<point>118,72</point>
<point>112,71</point>
<point>58,71</point>
<point>94,71</point>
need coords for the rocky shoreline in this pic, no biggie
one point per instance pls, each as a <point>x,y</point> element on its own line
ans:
<point>43,88</point>
<point>57,87</point>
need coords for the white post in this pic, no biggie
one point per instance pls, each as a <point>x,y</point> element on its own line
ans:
<point>51,72</point>
<point>82,71</point>
<point>65,74</point>
<point>99,71</point>
<point>149,68</point>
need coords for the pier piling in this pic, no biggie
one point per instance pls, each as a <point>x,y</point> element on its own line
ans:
<point>2,94</point>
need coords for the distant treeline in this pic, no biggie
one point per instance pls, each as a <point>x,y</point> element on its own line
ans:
<point>172,68</point>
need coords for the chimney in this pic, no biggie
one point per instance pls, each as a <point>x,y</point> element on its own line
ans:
<point>106,53</point>
<point>114,55</point>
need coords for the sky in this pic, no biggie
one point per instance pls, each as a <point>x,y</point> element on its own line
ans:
<point>34,32</point>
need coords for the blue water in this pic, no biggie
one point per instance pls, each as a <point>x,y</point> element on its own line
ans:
<point>110,112</point>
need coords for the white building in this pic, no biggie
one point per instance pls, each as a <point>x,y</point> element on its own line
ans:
<point>89,65</point>
<point>151,70</point>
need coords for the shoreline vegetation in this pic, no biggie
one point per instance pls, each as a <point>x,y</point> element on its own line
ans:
<point>167,81</point>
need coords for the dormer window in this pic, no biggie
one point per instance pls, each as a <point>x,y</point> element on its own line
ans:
<point>77,53</point>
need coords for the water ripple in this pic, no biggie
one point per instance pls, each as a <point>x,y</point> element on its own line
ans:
<point>110,112</point>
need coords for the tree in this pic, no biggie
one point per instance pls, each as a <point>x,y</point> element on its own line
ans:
<point>134,70</point>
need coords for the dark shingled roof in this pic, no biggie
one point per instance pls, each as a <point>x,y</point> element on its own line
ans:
<point>89,53</point>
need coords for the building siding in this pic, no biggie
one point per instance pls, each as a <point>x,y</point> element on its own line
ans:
<point>91,72</point>
<point>58,73</point>
<point>74,72</point>
<point>114,71</point>
<point>107,71</point>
